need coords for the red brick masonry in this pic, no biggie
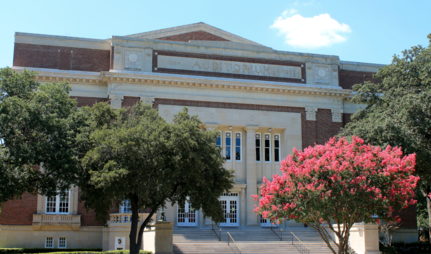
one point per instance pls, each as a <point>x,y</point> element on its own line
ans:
<point>349,78</point>
<point>19,211</point>
<point>197,36</point>
<point>62,58</point>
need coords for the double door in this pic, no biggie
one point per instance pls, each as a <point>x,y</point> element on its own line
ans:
<point>187,216</point>
<point>230,204</point>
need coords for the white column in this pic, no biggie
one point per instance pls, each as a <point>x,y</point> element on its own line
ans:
<point>116,100</point>
<point>148,100</point>
<point>251,175</point>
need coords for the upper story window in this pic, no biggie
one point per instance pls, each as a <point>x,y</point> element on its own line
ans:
<point>59,204</point>
<point>218,139</point>
<point>238,146</point>
<point>258,147</point>
<point>267,147</point>
<point>126,207</point>
<point>277,147</point>
<point>228,144</point>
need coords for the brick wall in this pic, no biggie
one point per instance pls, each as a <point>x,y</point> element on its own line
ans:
<point>408,217</point>
<point>19,211</point>
<point>346,118</point>
<point>55,57</point>
<point>198,36</point>
<point>347,78</point>
<point>129,101</point>
<point>88,101</point>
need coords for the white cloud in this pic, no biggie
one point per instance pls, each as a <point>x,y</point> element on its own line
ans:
<point>289,12</point>
<point>318,31</point>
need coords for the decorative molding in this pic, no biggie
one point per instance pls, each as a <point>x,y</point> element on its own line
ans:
<point>132,60</point>
<point>310,113</point>
<point>210,126</point>
<point>108,78</point>
<point>321,74</point>
<point>337,115</point>
<point>72,220</point>
<point>251,129</point>
<point>148,100</point>
<point>116,100</point>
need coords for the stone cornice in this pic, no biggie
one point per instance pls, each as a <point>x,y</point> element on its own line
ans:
<point>105,78</point>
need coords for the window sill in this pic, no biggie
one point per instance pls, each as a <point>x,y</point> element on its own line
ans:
<point>71,220</point>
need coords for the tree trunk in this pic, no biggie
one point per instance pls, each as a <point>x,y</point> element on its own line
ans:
<point>429,217</point>
<point>425,193</point>
<point>134,247</point>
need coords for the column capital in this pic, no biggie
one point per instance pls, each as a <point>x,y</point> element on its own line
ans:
<point>310,113</point>
<point>211,126</point>
<point>251,128</point>
<point>337,115</point>
<point>147,99</point>
<point>116,100</point>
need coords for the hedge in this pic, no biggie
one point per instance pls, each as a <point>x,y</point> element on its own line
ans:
<point>63,251</point>
<point>46,250</point>
<point>407,248</point>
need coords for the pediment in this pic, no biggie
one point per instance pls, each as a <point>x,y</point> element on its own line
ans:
<point>198,31</point>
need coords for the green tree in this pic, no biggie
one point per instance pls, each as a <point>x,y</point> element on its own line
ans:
<point>38,125</point>
<point>138,156</point>
<point>397,110</point>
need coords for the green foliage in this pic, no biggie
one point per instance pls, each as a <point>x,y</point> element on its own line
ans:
<point>64,251</point>
<point>135,154</point>
<point>45,250</point>
<point>397,112</point>
<point>407,248</point>
<point>38,125</point>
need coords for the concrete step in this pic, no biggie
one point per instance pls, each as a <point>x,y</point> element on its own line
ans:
<point>249,240</point>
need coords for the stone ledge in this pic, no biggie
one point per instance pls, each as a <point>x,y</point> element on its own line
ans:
<point>72,220</point>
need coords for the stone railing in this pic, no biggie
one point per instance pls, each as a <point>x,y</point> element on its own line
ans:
<point>116,218</point>
<point>72,220</point>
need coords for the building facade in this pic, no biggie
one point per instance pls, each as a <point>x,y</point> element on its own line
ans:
<point>263,102</point>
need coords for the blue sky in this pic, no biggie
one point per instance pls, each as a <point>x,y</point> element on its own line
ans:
<point>362,31</point>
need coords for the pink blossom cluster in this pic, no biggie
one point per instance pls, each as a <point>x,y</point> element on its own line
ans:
<point>340,181</point>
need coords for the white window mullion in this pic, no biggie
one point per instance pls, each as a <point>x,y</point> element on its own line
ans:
<point>267,147</point>
<point>238,146</point>
<point>258,147</point>
<point>228,145</point>
<point>277,147</point>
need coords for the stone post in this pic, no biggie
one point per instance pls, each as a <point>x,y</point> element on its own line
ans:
<point>251,179</point>
<point>164,237</point>
<point>364,238</point>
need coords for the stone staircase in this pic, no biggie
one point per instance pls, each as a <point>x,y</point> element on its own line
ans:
<point>249,240</point>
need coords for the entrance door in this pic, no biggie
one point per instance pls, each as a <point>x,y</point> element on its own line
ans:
<point>187,216</point>
<point>230,204</point>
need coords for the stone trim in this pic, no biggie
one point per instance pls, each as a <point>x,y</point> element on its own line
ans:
<point>311,113</point>
<point>156,53</point>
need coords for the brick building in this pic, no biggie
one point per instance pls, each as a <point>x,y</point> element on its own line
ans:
<point>263,102</point>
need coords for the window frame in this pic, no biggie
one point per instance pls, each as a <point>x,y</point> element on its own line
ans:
<point>57,204</point>
<point>221,141</point>
<point>240,146</point>
<point>122,206</point>
<point>46,241</point>
<point>226,145</point>
<point>260,146</point>
<point>65,242</point>
<point>269,148</point>
<point>279,147</point>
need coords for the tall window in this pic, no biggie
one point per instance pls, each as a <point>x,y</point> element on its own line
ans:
<point>277,147</point>
<point>126,207</point>
<point>257,146</point>
<point>228,145</point>
<point>267,147</point>
<point>218,140</point>
<point>238,146</point>
<point>59,203</point>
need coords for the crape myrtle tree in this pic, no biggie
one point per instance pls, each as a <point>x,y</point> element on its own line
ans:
<point>38,125</point>
<point>338,184</point>
<point>136,155</point>
<point>397,112</point>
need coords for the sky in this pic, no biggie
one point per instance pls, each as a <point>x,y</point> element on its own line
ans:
<point>361,31</point>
